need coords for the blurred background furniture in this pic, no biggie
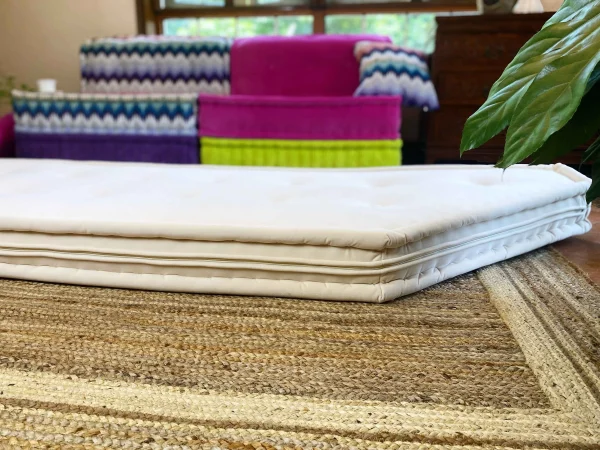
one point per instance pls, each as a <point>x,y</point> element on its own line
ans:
<point>107,127</point>
<point>471,53</point>
<point>292,104</point>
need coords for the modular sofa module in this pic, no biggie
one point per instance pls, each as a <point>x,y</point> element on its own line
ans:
<point>106,127</point>
<point>300,131</point>
<point>282,101</point>
<point>292,104</point>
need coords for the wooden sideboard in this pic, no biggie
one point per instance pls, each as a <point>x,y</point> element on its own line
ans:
<point>471,54</point>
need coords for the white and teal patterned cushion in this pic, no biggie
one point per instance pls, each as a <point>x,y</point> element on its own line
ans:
<point>144,114</point>
<point>387,69</point>
<point>156,64</point>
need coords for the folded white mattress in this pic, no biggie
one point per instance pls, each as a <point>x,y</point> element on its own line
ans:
<point>367,235</point>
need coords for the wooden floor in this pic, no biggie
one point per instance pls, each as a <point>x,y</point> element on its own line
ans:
<point>584,250</point>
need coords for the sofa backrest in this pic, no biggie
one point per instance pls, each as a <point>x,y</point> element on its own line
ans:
<point>155,64</point>
<point>317,65</point>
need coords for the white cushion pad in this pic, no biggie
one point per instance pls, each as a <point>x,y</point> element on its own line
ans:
<point>338,234</point>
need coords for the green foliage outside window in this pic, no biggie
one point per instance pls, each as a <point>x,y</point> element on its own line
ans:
<point>246,26</point>
<point>416,31</point>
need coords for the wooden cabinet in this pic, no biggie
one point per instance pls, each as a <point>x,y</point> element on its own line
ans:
<point>471,54</point>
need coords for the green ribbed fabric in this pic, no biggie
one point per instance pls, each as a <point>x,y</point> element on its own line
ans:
<point>300,153</point>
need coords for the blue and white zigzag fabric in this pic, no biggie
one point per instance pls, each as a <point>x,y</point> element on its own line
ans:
<point>164,115</point>
<point>156,64</point>
<point>386,69</point>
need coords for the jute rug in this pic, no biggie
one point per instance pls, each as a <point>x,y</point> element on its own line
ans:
<point>508,357</point>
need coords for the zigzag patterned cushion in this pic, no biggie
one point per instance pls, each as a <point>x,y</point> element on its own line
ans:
<point>151,127</point>
<point>386,69</point>
<point>156,64</point>
<point>105,114</point>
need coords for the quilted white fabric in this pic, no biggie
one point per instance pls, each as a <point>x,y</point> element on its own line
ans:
<point>338,234</point>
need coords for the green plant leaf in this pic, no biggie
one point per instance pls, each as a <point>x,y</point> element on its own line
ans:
<point>592,153</point>
<point>553,97</point>
<point>542,42</point>
<point>581,128</point>
<point>568,10</point>
<point>494,115</point>
<point>556,39</point>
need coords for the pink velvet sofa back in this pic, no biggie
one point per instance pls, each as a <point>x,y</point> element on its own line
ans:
<point>317,118</point>
<point>300,66</point>
<point>7,136</point>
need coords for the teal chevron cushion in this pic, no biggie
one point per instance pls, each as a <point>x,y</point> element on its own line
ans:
<point>156,64</point>
<point>386,69</point>
<point>149,114</point>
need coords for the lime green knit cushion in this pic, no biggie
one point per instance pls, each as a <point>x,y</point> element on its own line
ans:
<point>300,153</point>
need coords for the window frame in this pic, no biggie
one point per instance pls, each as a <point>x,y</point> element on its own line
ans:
<point>318,9</point>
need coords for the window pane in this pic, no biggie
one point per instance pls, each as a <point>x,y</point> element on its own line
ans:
<point>472,4</point>
<point>416,31</point>
<point>190,3</point>
<point>208,26</point>
<point>294,25</point>
<point>421,33</point>
<point>255,26</point>
<point>343,24</point>
<point>246,26</point>
<point>270,2</point>
<point>216,26</point>
<point>345,2</point>
<point>180,27</point>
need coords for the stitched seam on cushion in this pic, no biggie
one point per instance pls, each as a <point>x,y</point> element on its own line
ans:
<point>368,145</point>
<point>158,260</point>
<point>575,208</point>
<point>379,284</point>
<point>300,281</point>
<point>387,235</point>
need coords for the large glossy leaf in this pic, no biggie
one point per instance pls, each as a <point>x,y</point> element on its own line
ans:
<point>543,42</point>
<point>568,10</point>
<point>553,42</point>
<point>582,127</point>
<point>553,97</point>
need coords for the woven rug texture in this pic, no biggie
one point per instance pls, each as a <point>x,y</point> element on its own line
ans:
<point>505,357</point>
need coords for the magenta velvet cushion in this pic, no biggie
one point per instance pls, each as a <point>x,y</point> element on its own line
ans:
<point>318,118</point>
<point>7,136</point>
<point>317,65</point>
